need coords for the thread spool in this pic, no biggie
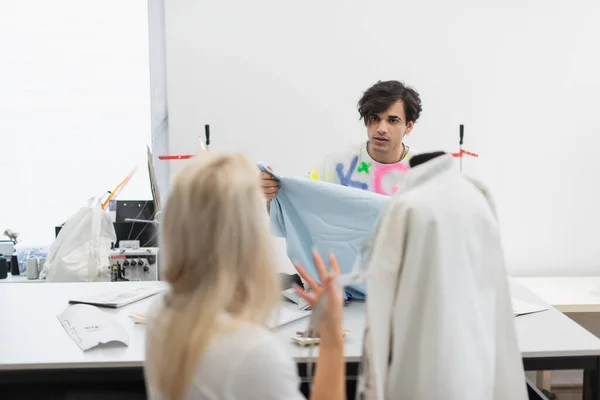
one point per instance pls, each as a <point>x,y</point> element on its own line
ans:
<point>14,260</point>
<point>41,263</point>
<point>3,268</point>
<point>32,268</point>
<point>14,266</point>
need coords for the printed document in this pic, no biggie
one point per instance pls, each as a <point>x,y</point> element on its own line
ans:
<point>89,326</point>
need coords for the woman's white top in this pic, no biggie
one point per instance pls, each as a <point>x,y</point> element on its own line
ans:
<point>247,364</point>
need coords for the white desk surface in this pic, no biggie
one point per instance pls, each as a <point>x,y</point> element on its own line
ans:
<point>550,333</point>
<point>33,338</point>
<point>567,294</point>
<point>19,279</point>
<point>353,320</point>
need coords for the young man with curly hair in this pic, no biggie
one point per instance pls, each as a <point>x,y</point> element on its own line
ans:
<point>389,110</point>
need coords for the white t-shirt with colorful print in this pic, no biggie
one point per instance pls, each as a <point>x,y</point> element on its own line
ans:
<point>354,167</point>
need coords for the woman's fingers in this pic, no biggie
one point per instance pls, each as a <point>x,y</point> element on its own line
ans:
<point>314,286</point>
<point>310,298</point>
<point>329,284</point>
<point>335,267</point>
<point>327,278</point>
<point>320,266</point>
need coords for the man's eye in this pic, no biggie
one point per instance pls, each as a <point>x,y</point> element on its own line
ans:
<point>393,121</point>
<point>373,118</point>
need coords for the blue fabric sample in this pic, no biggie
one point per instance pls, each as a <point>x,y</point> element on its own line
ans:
<point>328,217</point>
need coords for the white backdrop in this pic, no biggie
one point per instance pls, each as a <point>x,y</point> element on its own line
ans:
<point>74,108</point>
<point>280,81</point>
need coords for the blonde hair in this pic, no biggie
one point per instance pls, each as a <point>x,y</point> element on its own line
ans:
<point>217,259</point>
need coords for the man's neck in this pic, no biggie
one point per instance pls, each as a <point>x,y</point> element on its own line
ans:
<point>391,157</point>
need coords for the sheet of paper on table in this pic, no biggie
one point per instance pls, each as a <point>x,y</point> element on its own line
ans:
<point>285,316</point>
<point>89,326</point>
<point>292,296</point>
<point>118,298</point>
<point>523,308</point>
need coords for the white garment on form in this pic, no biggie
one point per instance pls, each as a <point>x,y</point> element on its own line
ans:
<point>439,301</point>
<point>248,364</point>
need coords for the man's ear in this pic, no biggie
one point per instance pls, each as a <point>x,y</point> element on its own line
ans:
<point>409,126</point>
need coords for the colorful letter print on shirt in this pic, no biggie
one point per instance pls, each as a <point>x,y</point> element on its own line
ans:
<point>355,168</point>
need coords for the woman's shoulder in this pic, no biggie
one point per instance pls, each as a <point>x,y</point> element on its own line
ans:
<point>247,360</point>
<point>242,334</point>
<point>249,341</point>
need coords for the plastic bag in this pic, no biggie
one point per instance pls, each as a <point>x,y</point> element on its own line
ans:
<point>81,251</point>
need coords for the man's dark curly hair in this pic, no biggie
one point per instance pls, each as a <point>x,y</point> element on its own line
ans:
<point>382,95</point>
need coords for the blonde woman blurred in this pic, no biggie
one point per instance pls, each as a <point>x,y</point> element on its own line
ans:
<point>208,338</point>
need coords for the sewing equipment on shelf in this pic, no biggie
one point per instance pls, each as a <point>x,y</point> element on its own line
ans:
<point>134,264</point>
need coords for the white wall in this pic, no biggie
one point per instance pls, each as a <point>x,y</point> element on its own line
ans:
<point>74,108</point>
<point>280,80</point>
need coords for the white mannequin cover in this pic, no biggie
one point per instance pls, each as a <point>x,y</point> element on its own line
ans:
<point>439,302</point>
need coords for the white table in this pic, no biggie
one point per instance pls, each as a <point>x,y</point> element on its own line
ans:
<point>19,279</point>
<point>33,337</point>
<point>566,294</point>
<point>30,323</point>
<point>550,333</point>
<point>552,341</point>
<point>33,341</point>
<point>579,298</point>
<point>353,320</point>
